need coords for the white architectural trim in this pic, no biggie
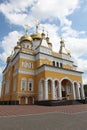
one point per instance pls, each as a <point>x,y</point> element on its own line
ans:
<point>21,71</point>
<point>26,56</point>
<point>49,78</point>
<point>57,70</point>
<point>66,78</point>
<point>56,79</point>
<point>62,71</point>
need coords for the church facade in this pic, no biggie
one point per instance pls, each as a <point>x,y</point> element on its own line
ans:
<point>34,72</point>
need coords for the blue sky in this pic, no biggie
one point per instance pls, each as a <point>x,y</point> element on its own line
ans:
<point>66,17</point>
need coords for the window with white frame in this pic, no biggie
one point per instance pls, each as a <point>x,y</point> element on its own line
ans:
<point>23,84</point>
<point>15,85</point>
<point>30,85</point>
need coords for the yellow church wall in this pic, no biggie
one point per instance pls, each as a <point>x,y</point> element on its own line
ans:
<point>62,75</point>
<point>3,92</point>
<point>66,66</point>
<point>14,97</point>
<point>37,63</point>
<point>6,97</point>
<point>37,80</point>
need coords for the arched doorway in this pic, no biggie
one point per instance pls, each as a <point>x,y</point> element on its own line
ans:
<point>30,100</point>
<point>66,88</point>
<point>22,100</point>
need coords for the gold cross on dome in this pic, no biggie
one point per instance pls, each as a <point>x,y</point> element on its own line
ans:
<point>61,38</point>
<point>27,26</point>
<point>37,23</point>
<point>47,33</point>
<point>43,29</point>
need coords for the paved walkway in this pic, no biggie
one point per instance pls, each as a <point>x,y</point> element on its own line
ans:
<point>33,109</point>
<point>43,118</point>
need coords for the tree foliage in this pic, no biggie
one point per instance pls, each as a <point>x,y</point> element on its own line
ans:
<point>85,89</point>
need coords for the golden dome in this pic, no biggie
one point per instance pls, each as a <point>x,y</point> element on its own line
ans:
<point>68,52</point>
<point>17,47</point>
<point>26,37</point>
<point>36,36</point>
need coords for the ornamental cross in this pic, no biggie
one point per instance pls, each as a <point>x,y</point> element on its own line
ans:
<point>37,22</point>
<point>43,29</point>
<point>27,26</point>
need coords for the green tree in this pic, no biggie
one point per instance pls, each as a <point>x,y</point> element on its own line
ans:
<point>85,89</point>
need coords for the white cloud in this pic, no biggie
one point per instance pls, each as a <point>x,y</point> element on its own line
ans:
<point>85,79</point>
<point>69,32</point>
<point>78,46</point>
<point>19,12</point>
<point>82,64</point>
<point>8,44</point>
<point>54,8</point>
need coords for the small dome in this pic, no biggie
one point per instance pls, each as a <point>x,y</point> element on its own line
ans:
<point>26,37</point>
<point>49,43</point>
<point>17,47</point>
<point>62,41</point>
<point>68,52</point>
<point>36,36</point>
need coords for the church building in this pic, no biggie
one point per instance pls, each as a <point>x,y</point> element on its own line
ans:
<point>34,72</point>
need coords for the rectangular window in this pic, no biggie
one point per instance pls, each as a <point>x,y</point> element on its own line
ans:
<point>30,87</point>
<point>23,87</point>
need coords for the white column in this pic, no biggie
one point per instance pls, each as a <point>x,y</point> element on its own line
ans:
<point>40,91</point>
<point>45,90</point>
<point>53,90</point>
<point>77,91</point>
<point>73,92</point>
<point>26,100</point>
<point>67,92</point>
<point>59,91</point>
<point>82,92</point>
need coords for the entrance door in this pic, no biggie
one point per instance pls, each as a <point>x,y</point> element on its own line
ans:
<point>22,102</point>
<point>30,100</point>
<point>64,94</point>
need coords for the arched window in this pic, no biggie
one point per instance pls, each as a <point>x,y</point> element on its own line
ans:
<point>23,84</point>
<point>30,85</point>
<point>53,63</point>
<point>57,64</point>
